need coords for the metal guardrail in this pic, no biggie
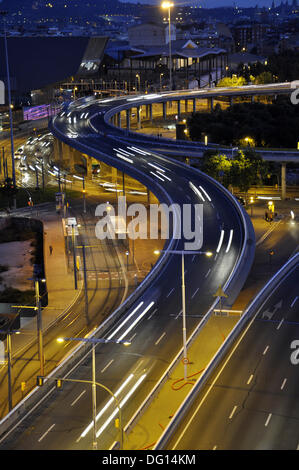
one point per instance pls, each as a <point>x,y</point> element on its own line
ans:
<point>254,307</point>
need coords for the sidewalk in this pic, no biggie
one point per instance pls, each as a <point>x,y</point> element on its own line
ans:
<point>60,281</point>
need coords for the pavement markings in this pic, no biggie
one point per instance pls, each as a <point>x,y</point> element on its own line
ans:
<point>268,419</point>
<point>180,312</point>
<point>265,352</point>
<point>153,313</point>
<point>195,293</point>
<point>208,272</point>
<point>250,379</point>
<point>47,432</point>
<point>283,384</point>
<point>106,367</point>
<point>131,339</point>
<point>280,324</point>
<point>233,412</point>
<point>78,398</point>
<point>294,301</point>
<point>160,339</point>
<point>170,292</point>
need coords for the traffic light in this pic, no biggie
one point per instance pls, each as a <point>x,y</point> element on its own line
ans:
<point>39,381</point>
<point>58,383</point>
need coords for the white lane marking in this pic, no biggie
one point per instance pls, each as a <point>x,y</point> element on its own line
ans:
<point>131,339</point>
<point>294,301</point>
<point>106,367</point>
<point>195,293</point>
<point>153,313</point>
<point>178,314</point>
<point>160,339</point>
<point>47,432</point>
<point>220,241</point>
<point>78,398</point>
<point>268,419</point>
<point>283,384</point>
<point>233,412</point>
<point>208,272</point>
<point>265,350</point>
<point>250,379</point>
<point>280,324</point>
<point>170,292</point>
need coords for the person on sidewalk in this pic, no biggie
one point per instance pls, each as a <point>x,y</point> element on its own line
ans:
<point>51,249</point>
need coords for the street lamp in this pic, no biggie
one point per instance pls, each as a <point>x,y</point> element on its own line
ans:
<point>168,6</point>
<point>3,13</point>
<point>161,75</point>
<point>183,253</point>
<point>138,82</point>
<point>94,342</point>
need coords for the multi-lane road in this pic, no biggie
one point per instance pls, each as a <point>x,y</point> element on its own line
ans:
<point>251,401</point>
<point>152,321</point>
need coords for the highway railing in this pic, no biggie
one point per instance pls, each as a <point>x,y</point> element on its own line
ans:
<point>253,309</point>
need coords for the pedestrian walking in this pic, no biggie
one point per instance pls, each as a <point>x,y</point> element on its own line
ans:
<point>51,249</point>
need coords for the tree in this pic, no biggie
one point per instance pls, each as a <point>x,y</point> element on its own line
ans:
<point>234,81</point>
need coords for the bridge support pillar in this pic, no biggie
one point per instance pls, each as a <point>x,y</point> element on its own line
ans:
<point>253,99</point>
<point>164,111</point>
<point>179,109</point>
<point>211,104</point>
<point>138,113</point>
<point>128,119</point>
<point>231,100</point>
<point>118,120</point>
<point>186,106</point>
<point>283,181</point>
<point>194,105</point>
<point>150,108</point>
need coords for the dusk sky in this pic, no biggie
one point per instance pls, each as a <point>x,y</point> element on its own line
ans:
<point>213,3</point>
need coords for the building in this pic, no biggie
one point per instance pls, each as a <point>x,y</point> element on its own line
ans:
<point>150,34</point>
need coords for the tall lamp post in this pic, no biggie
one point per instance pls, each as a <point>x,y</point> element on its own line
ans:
<point>183,253</point>
<point>3,13</point>
<point>94,342</point>
<point>168,6</point>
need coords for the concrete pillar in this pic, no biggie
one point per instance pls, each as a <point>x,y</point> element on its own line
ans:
<point>138,113</point>
<point>194,105</point>
<point>231,100</point>
<point>253,99</point>
<point>114,176</point>
<point>88,166</point>
<point>118,120</point>
<point>283,181</point>
<point>164,111</point>
<point>186,106</point>
<point>179,109</point>
<point>151,112</point>
<point>128,118</point>
<point>211,104</point>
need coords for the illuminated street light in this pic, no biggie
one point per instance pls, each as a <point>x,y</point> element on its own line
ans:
<point>168,6</point>
<point>183,253</point>
<point>94,341</point>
